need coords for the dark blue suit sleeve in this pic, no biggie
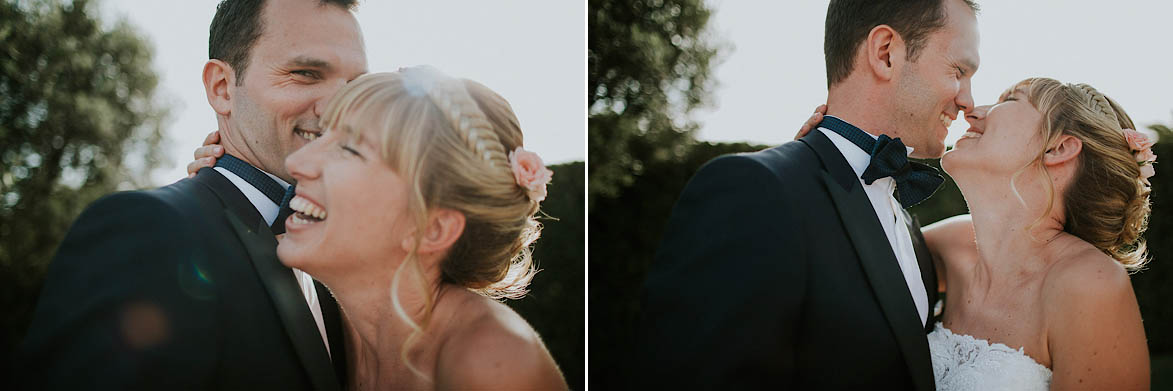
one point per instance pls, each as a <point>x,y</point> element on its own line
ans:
<point>724,294</point>
<point>128,303</point>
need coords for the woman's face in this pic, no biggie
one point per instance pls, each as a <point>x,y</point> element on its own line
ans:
<point>350,211</point>
<point>1002,139</point>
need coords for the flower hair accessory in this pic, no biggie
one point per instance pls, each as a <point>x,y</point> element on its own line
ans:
<point>530,173</point>
<point>1142,149</point>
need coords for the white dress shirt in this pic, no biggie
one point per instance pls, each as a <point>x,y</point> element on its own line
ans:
<point>269,211</point>
<point>886,206</point>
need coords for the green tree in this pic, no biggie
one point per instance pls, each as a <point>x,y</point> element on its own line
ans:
<point>78,119</point>
<point>554,305</point>
<point>648,67</point>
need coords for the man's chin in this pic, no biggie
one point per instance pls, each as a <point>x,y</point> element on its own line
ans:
<point>934,151</point>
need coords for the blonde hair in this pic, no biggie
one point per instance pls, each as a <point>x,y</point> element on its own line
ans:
<point>1106,204</point>
<point>450,140</point>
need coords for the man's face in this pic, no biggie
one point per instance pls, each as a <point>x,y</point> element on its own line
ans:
<point>305,54</point>
<point>933,89</point>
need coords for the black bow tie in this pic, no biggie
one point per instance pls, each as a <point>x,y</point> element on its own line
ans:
<point>267,185</point>
<point>915,182</point>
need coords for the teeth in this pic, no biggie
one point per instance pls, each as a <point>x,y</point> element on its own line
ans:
<point>945,120</point>
<point>307,135</point>
<point>971,134</point>
<point>306,207</point>
<point>298,220</point>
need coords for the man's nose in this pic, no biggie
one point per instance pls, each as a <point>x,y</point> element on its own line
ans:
<point>964,100</point>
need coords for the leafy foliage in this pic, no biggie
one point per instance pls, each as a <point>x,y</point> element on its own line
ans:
<point>649,64</point>
<point>78,119</point>
<point>1154,284</point>
<point>625,233</point>
<point>554,305</point>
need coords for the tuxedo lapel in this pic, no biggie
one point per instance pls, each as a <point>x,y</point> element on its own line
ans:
<point>332,317</point>
<point>277,279</point>
<point>289,302</point>
<point>230,196</point>
<point>876,257</point>
<point>928,272</point>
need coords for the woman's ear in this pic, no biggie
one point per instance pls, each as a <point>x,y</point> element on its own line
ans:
<point>219,81</point>
<point>444,227</point>
<point>883,43</point>
<point>1063,151</point>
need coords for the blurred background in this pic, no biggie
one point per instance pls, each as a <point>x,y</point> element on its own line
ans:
<point>102,96</point>
<point>675,83</point>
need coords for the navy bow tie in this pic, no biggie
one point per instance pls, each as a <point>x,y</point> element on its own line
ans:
<point>267,185</point>
<point>915,182</point>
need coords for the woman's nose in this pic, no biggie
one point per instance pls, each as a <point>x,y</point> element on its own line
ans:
<point>305,162</point>
<point>977,115</point>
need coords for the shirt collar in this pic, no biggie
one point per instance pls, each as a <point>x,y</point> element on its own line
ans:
<point>857,158</point>
<point>262,203</point>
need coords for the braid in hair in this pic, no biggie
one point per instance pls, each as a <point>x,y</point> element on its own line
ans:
<point>1097,101</point>
<point>453,99</point>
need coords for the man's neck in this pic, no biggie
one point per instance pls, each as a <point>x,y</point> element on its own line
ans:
<point>864,111</point>
<point>234,144</point>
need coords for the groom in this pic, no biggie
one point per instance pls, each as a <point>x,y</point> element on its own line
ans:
<point>798,267</point>
<point>180,287</point>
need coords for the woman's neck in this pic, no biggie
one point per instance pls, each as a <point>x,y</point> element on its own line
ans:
<point>1015,240</point>
<point>375,330</point>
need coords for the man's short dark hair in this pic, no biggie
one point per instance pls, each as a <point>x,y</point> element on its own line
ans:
<point>850,21</point>
<point>237,26</point>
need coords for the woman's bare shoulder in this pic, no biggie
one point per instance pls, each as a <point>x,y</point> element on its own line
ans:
<point>1083,285</point>
<point>489,345</point>
<point>1085,272</point>
<point>1094,330</point>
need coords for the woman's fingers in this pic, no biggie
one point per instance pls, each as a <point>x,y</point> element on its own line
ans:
<point>812,122</point>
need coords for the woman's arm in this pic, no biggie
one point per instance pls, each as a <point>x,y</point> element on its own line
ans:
<point>1094,331</point>
<point>951,242</point>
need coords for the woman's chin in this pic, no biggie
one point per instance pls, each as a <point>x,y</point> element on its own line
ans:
<point>290,253</point>
<point>949,160</point>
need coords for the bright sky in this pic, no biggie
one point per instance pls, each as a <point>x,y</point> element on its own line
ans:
<point>532,52</point>
<point>775,75</point>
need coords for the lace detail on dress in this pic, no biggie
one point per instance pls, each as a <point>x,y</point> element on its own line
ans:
<point>962,362</point>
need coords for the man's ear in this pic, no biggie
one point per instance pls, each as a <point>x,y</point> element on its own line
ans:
<point>1063,151</point>
<point>444,227</point>
<point>219,84</point>
<point>880,48</point>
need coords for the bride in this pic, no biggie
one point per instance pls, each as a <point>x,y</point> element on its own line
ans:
<point>416,208</point>
<point>1056,181</point>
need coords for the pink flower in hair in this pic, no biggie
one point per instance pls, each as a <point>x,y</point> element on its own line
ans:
<point>1142,149</point>
<point>530,173</point>
<point>1146,155</point>
<point>1146,172</point>
<point>1137,141</point>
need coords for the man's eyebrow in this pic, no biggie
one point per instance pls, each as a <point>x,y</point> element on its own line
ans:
<point>310,62</point>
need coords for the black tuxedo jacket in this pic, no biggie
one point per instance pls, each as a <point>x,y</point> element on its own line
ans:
<point>775,273</point>
<point>177,288</point>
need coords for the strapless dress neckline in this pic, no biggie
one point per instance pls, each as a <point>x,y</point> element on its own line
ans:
<point>963,362</point>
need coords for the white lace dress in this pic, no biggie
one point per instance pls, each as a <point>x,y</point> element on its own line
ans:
<point>962,362</point>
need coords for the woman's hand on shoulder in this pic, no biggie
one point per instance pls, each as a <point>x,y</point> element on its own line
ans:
<point>205,155</point>
<point>497,351</point>
<point>812,123</point>
<point>1094,331</point>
